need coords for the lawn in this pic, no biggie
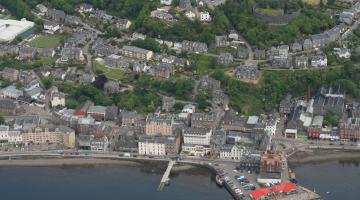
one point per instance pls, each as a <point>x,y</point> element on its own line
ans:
<point>115,74</point>
<point>271,12</point>
<point>46,41</point>
<point>205,64</point>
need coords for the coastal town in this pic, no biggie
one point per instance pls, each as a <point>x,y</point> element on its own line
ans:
<point>86,84</point>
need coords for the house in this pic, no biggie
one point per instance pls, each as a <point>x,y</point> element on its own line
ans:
<point>41,9</point>
<point>301,61</point>
<point>72,20</point>
<point>163,70</point>
<point>132,119</point>
<point>7,106</point>
<point>56,15</point>
<point>203,120</point>
<point>190,13</point>
<point>232,152</point>
<point>9,50</point>
<point>208,83</point>
<point>347,16</point>
<point>51,26</point>
<point>234,122</point>
<point>71,53</point>
<point>296,47</point>
<point>281,62</point>
<point>136,52</point>
<point>116,61</point>
<point>184,3</point>
<point>271,163</point>
<point>242,53</point>
<point>220,98</point>
<point>99,143</point>
<point>205,17</point>
<point>221,41</point>
<point>329,99</point>
<point>342,53</point>
<point>105,50</point>
<point>307,45</point>
<point>159,145</point>
<point>181,62</point>
<point>10,92</point>
<point>168,103</point>
<point>36,93</point>
<point>350,130</point>
<point>122,24</point>
<point>224,59</point>
<point>112,113</point>
<point>33,84</point>
<point>259,54</point>
<point>197,47</point>
<point>162,15</point>
<point>247,72</point>
<point>86,8</point>
<point>27,52</point>
<point>318,61</point>
<point>189,108</point>
<point>233,35</point>
<point>159,125</point>
<point>97,112</point>
<point>111,87</point>
<point>196,141</point>
<point>45,52</point>
<point>86,78</point>
<point>314,130</point>
<point>57,99</point>
<point>286,105</point>
<point>10,74</point>
<point>319,40</point>
<point>166,2</point>
<point>102,16</point>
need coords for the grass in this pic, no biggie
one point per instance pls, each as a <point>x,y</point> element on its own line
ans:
<point>271,12</point>
<point>205,64</point>
<point>46,41</point>
<point>115,74</point>
<point>312,2</point>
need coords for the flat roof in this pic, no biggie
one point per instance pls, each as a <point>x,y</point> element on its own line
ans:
<point>9,28</point>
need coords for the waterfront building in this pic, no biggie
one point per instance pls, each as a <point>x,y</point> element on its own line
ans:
<point>350,130</point>
<point>159,145</point>
<point>271,163</point>
<point>159,125</point>
<point>58,135</point>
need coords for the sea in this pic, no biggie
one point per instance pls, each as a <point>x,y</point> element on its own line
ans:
<point>333,180</point>
<point>111,182</point>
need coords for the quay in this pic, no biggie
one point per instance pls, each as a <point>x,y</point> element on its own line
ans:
<point>165,177</point>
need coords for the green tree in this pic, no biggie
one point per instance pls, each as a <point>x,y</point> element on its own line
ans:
<point>47,81</point>
<point>331,119</point>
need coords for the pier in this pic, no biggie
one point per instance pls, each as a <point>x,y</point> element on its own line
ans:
<point>165,177</point>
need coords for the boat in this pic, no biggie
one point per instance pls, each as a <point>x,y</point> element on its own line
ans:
<point>167,182</point>
<point>219,180</point>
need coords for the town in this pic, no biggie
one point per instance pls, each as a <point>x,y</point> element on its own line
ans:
<point>84,83</point>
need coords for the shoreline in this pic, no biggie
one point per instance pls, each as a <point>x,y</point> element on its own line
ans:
<point>318,156</point>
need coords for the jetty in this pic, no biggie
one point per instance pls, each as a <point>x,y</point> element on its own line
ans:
<point>165,177</point>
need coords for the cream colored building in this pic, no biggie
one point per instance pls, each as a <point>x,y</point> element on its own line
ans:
<point>158,125</point>
<point>59,135</point>
<point>57,99</point>
<point>159,145</point>
<point>136,52</point>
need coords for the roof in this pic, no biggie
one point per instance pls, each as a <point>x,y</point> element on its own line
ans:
<point>9,29</point>
<point>97,109</point>
<point>286,188</point>
<point>260,193</point>
<point>135,49</point>
<point>252,120</point>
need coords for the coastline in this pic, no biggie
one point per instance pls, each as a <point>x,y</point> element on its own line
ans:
<point>316,156</point>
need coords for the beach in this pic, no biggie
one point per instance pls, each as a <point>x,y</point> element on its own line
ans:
<point>303,157</point>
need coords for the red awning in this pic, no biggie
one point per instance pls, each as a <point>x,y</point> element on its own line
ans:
<point>259,193</point>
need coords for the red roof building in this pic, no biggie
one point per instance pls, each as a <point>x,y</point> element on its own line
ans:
<point>286,188</point>
<point>271,163</point>
<point>260,193</point>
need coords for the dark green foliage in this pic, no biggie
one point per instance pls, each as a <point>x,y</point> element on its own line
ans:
<point>331,119</point>
<point>47,81</point>
<point>148,43</point>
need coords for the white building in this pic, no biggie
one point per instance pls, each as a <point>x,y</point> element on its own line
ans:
<point>232,152</point>
<point>197,135</point>
<point>270,126</point>
<point>10,29</point>
<point>205,16</point>
<point>195,150</point>
<point>188,108</point>
<point>51,27</point>
<point>158,145</point>
<point>10,136</point>
<point>166,2</point>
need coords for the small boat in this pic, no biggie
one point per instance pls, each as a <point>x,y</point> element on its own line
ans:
<point>219,181</point>
<point>167,182</point>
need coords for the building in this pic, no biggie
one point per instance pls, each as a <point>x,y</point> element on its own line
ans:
<point>190,13</point>
<point>27,52</point>
<point>135,52</point>
<point>350,130</point>
<point>224,59</point>
<point>342,53</point>
<point>203,120</point>
<point>99,143</point>
<point>111,87</point>
<point>57,99</point>
<point>8,135</point>
<point>296,47</point>
<point>197,135</point>
<point>184,3</point>
<point>196,47</point>
<point>166,2</point>
<point>205,17</point>
<point>162,15</point>
<point>7,106</point>
<point>122,24</point>
<point>86,8</point>
<point>159,145</point>
<point>232,152</point>
<point>271,163</point>
<point>329,99</point>
<point>58,135</point>
<point>97,112</point>
<point>319,40</point>
<point>116,61</point>
<point>163,70</point>
<point>221,41</point>
<point>259,54</point>
<point>51,26</point>
<point>209,84</point>
<point>10,29</point>
<point>104,50</point>
<point>247,72</point>
<point>168,103</point>
<point>10,74</point>
<point>159,125</point>
<point>189,108</point>
<point>314,130</point>
<point>56,15</point>
<point>242,53</point>
<point>301,61</point>
<point>71,53</point>
<point>10,92</point>
<point>318,61</point>
<point>286,105</point>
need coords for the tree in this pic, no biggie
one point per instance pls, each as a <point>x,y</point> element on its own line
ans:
<point>48,82</point>
<point>202,100</point>
<point>2,119</point>
<point>331,119</point>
